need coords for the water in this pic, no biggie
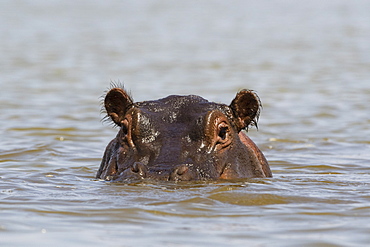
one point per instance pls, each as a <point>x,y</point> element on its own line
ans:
<point>308,61</point>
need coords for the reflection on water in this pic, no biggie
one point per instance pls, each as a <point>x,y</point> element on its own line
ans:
<point>309,63</point>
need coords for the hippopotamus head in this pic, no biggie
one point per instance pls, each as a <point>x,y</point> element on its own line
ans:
<point>182,138</point>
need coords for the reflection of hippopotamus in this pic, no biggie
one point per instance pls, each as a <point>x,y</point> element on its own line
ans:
<point>180,138</point>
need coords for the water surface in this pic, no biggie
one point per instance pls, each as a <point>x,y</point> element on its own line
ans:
<point>308,61</point>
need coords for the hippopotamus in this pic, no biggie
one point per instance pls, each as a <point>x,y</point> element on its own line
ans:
<point>182,138</point>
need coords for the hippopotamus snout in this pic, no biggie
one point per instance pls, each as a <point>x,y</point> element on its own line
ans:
<point>183,172</point>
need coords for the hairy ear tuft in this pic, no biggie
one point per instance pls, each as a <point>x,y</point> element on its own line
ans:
<point>246,107</point>
<point>116,103</point>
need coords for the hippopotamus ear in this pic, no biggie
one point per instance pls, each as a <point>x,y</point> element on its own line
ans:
<point>116,103</point>
<point>246,108</point>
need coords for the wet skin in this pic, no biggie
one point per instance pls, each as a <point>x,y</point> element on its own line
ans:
<point>182,138</point>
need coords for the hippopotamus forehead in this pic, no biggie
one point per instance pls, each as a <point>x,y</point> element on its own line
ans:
<point>172,102</point>
<point>180,108</point>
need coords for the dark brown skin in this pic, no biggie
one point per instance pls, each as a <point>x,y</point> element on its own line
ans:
<point>182,138</point>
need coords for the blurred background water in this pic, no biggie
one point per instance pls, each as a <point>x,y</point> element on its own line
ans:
<point>308,61</point>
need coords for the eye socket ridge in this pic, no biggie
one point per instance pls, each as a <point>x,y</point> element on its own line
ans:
<point>218,131</point>
<point>127,131</point>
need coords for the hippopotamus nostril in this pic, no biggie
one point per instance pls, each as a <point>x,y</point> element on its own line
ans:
<point>135,171</point>
<point>139,169</point>
<point>181,170</point>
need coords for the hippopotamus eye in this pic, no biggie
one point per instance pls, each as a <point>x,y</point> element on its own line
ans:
<point>223,131</point>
